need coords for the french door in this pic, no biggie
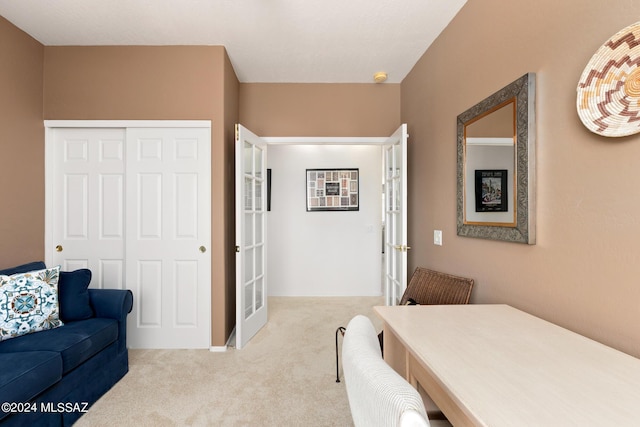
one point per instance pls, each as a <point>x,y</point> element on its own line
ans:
<point>133,205</point>
<point>251,235</point>
<point>395,211</point>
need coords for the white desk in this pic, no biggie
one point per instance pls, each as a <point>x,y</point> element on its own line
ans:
<point>493,365</point>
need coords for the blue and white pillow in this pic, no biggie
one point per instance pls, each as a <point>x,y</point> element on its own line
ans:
<point>29,302</point>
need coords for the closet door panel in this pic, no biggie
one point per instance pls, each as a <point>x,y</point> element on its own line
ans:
<point>168,226</point>
<point>87,209</point>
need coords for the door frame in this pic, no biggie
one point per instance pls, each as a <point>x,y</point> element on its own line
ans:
<point>319,140</point>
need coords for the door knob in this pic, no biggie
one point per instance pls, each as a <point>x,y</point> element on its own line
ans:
<point>203,249</point>
<point>59,248</point>
<point>402,248</point>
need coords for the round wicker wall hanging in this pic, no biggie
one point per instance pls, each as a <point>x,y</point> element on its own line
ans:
<point>609,89</point>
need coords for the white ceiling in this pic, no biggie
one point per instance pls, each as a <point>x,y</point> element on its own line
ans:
<point>305,41</point>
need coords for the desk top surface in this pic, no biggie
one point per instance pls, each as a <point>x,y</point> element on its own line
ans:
<point>509,368</point>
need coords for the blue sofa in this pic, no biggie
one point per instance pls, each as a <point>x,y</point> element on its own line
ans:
<point>51,377</point>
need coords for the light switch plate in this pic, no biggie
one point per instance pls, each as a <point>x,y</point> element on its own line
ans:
<point>437,237</point>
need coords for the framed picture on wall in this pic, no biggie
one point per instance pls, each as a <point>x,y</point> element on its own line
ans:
<point>333,190</point>
<point>491,190</point>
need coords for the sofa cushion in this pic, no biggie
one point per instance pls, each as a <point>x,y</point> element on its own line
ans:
<point>24,268</point>
<point>29,302</point>
<point>73,295</point>
<point>76,341</point>
<point>24,375</point>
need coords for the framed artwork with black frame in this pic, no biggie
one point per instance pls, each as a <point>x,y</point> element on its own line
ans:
<point>491,190</point>
<point>333,190</point>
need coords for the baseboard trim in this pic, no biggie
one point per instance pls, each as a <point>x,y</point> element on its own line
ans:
<point>231,343</point>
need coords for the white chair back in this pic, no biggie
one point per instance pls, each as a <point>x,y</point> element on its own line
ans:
<point>378,395</point>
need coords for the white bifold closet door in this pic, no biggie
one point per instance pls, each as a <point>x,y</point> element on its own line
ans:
<point>134,205</point>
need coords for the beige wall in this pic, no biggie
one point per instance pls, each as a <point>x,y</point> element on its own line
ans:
<point>583,272</point>
<point>21,147</point>
<point>134,82</point>
<point>157,83</point>
<point>317,109</point>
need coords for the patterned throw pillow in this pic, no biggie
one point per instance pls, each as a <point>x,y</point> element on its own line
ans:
<point>29,302</point>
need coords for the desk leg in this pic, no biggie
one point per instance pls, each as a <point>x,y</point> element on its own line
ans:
<point>408,375</point>
<point>394,352</point>
<point>397,356</point>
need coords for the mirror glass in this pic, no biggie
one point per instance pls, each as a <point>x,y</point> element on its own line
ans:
<point>496,160</point>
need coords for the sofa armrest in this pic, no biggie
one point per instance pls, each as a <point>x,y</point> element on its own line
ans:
<point>113,304</point>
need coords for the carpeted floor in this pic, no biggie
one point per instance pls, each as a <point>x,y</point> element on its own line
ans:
<point>284,377</point>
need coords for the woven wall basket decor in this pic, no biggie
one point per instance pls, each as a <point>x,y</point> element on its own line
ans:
<point>609,89</point>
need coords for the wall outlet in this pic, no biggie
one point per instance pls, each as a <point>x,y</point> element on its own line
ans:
<point>437,237</point>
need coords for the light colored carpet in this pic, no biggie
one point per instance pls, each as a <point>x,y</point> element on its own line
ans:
<point>284,377</point>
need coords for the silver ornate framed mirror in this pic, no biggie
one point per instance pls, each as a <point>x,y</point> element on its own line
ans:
<point>496,165</point>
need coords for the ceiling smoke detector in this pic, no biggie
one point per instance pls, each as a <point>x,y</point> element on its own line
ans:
<point>380,77</point>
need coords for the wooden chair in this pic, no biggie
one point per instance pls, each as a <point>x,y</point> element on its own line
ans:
<point>427,287</point>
